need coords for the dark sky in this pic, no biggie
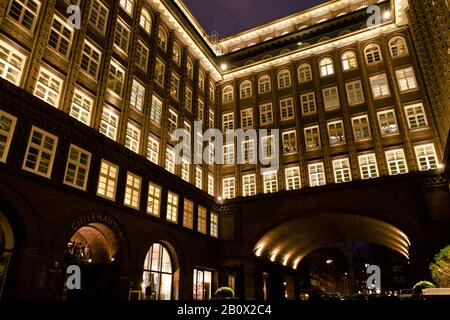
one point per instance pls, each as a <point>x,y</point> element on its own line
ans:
<point>230,17</point>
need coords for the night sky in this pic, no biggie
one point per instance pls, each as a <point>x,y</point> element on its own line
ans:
<point>230,17</point>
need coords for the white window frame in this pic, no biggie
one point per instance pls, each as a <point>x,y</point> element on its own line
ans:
<point>266,114</point>
<point>58,34</point>
<point>245,89</point>
<point>248,185</point>
<point>25,10</point>
<point>214,225</point>
<point>6,135</point>
<point>308,102</point>
<point>154,199</point>
<point>426,157</point>
<point>100,21</point>
<point>374,55</point>
<point>355,94</point>
<point>331,98</point>
<point>170,160</point>
<point>142,53</point>
<point>108,177</point>
<point>153,150</point>
<point>396,162</point>
<point>326,66</point>
<point>334,138</point>
<point>270,181</point>
<point>172,207</point>
<point>264,84</point>
<point>416,116</point>
<point>309,141</point>
<point>229,188</point>
<point>91,58</point>
<point>406,79</point>
<point>211,185</point>
<point>49,91</point>
<point>287,137</point>
<point>316,173</point>
<point>160,72</point>
<point>349,60</point>
<point>398,50</point>
<point>145,20</point>
<point>292,177</point>
<point>116,78</point>
<point>137,96</point>
<point>380,86</point>
<point>109,123</point>
<point>122,36</point>
<point>78,163</point>
<point>284,79</point>
<point>386,126</point>
<point>287,109</point>
<point>304,73</point>
<point>13,63</point>
<point>133,137</point>
<point>368,166</point>
<point>127,5</point>
<point>357,126</point>
<point>132,197</point>
<point>81,107</point>
<point>342,171</point>
<point>227,121</point>
<point>247,118</point>
<point>227,94</point>
<point>199,177</point>
<point>156,109</point>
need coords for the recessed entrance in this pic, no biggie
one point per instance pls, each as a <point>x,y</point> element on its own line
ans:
<point>6,249</point>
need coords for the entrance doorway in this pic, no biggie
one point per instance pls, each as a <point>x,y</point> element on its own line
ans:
<point>6,250</point>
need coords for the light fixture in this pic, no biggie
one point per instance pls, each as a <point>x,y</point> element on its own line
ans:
<point>387,14</point>
<point>112,259</point>
<point>223,66</point>
<point>219,198</point>
<point>329,261</point>
<point>90,260</point>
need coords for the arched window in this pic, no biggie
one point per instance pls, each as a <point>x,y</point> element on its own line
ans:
<point>162,39</point>
<point>227,94</point>
<point>190,67</point>
<point>158,274</point>
<point>264,84</point>
<point>146,20</point>
<point>201,80</point>
<point>284,79</point>
<point>398,48</point>
<point>246,89</point>
<point>372,53</point>
<point>304,73</point>
<point>349,61</point>
<point>326,67</point>
<point>176,54</point>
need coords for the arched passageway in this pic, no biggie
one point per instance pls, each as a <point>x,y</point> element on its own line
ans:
<point>7,243</point>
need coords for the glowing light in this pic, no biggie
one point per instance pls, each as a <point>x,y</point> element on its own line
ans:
<point>273,256</point>
<point>258,251</point>
<point>285,260</point>
<point>440,166</point>
<point>387,14</point>
<point>90,260</point>
<point>295,264</point>
<point>219,198</point>
<point>223,66</point>
<point>112,259</point>
<point>329,261</point>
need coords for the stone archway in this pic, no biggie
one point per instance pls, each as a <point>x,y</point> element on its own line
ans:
<point>7,244</point>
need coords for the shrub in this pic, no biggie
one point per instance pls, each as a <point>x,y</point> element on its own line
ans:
<point>440,269</point>
<point>422,285</point>
<point>225,293</point>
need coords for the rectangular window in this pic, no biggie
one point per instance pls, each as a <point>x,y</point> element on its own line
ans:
<point>60,37</point>
<point>287,109</point>
<point>316,174</point>
<point>90,59</point>
<point>368,166</point>
<point>248,151</point>
<point>201,220</point>
<point>172,207</point>
<point>7,127</point>
<point>25,12</point>
<point>331,98</point>
<point>416,116</point>
<point>308,102</point>
<point>122,36</point>
<point>107,180</point>
<point>289,141</point>
<point>40,152</point>
<point>12,63</point>
<point>211,121</point>
<point>172,123</point>
<point>156,110</point>
<point>247,118</point>
<point>203,282</point>
<point>160,70</point>
<point>77,169</point>
<point>388,122</point>
<point>228,186</point>
<point>133,137</point>
<point>127,5</point>
<point>380,86</point>
<point>141,56</point>
<point>109,123</point>
<point>137,97</point>
<point>185,170</point>
<point>211,185</point>
<point>292,175</point>
<point>132,191</point>
<point>249,185</point>
<point>170,160</point>
<point>200,109</point>
<point>267,146</point>
<point>199,177</point>
<point>266,114</point>
<point>154,199</point>
<point>361,128</point>
<point>48,87</point>
<point>153,150</point>
<point>188,99</point>
<point>342,171</point>
<point>336,133</point>
<point>426,157</point>
<point>174,86</point>
<point>188,214</point>
<point>228,154</point>
<point>270,180</point>
<point>227,121</point>
<point>214,225</point>
<point>212,92</point>
<point>312,138</point>
<point>116,78</point>
<point>99,15</point>
<point>81,107</point>
<point>355,93</point>
<point>406,79</point>
<point>396,162</point>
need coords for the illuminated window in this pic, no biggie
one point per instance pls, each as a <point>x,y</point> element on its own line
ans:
<point>284,79</point>
<point>248,151</point>
<point>154,199</point>
<point>116,78</point>
<point>406,79</point>
<point>227,121</point>
<point>172,123</point>
<point>228,186</point>
<point>153,150</point>
<point>312,138</point>
<point>201,220</point>
<point>398,48</point>
<point>368,166</point>
<point>12,63</point>
<point>349,61</point>
<point>188,99</point>
<point>90,59</point>
<point>426,157</point>
<point>122,36</point>
<point>264,84</point>
<point>133,137</point>
<point>99,15</point>
<point>372,53</point>
<point>336,133</point>
<point>201,80</point>
<point>48,87</point>
<point>185,170</point>
<point>188,214</point>
<point>190,68</point>
<point>176,53</point>
<point>77,169</point>
<point>396,162</point>
<point>380,86</point>
<point>81,107</point>
<point>304,73</point>
<point>160,70</point>
<point>211,119</point>
<point>289,141</point>
<point>141,56</point>
<point>266,114</point>
<point>158,274</point>
<point>132,191</point>
<point>270,180</point>
<point>212,91</point>
<point>287,109</point>
<point>326,67</point>
<point>174,85</point>
<point>202,284</point>
<point>107,180</point>
<point>172,207</point>
<point>7,127</point>
<point>331,98</point>
<point>228,154</point>
<point>156,110</point>
<point>355,93</point>
<point>127,5</point>
<point>268,146</point>
<point>316,174</point>
<point>211,185</point>
<point>24,12</point>
<point>137,95</point>
<point>200,109</point>
<point>246,89</point>
<point>60,36</point>
<point>416,116</point>
<point>214,225</point>
<point>146,20</point>
<point>292,176</point>
<point>308,102</point>
<point>361,128</point>
<point>248,185</point>
<point>247,118</point>
<point>342,172</point>
<point>388,122</point>
<point>227,94</point>
<point>199,177</point>
<point>170,160</point>
<point>109,123</point>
